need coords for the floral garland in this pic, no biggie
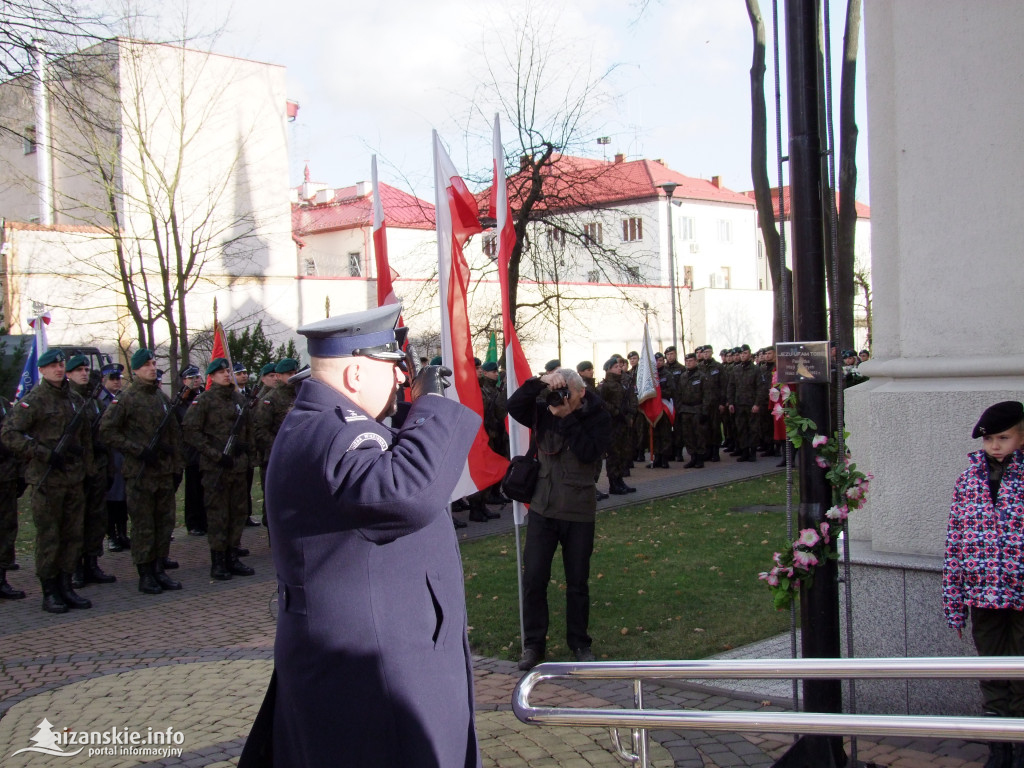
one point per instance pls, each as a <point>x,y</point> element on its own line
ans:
<point>795,566</point>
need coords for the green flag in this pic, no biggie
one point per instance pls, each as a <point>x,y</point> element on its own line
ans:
<point>492,349</point>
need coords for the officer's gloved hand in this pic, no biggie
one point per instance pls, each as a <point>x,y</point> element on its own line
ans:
<point>431,380</point>
<point>56,461</point>
<point>149,455</point>
<point>225,461</point>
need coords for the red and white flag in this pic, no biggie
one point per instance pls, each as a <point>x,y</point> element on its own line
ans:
<point>457,219</point>
<point>220,349</point>
<point>385,275</point>
<point>648,388</point>
<point>517,370</point>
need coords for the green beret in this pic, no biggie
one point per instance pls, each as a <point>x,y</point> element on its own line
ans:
<point>216,364</point>
<point>490,367</point>
<point>77,362</point>
<point>268,368</point>
<point>51,356</point>
<point>287,365</point>
<point>140,358</point>
<point>435,360</point>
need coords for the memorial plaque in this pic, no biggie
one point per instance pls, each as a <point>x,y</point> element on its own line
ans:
<point>799,362</point>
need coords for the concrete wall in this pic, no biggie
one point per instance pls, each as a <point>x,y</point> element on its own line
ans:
<point>947,172</point>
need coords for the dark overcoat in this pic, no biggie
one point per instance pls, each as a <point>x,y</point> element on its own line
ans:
<point>372,662</point>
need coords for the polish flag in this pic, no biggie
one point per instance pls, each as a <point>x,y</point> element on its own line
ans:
<point>648,388</point>
<point>457,219</point>
<point>517,370</point>
<point>385,275</point>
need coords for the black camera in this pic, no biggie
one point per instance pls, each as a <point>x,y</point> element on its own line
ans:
<point>557,397</point>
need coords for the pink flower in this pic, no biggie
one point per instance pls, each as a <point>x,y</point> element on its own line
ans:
<point>855,492</point>
<point>818,441</point>
<point>778,411</point>
<point>773,395</point>
<point>838,513</point>
<point>771,577</point>
<point>821,462</point>
<point>808,538</point>
<point>804,559</point>
<point>824,531</point>
<point>785,391</point>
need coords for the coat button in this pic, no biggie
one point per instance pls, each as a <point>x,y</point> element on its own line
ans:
<point>420,420</point>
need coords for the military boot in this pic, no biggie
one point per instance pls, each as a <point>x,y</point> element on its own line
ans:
<point>167,563</point>
<point>715,455</point>
<point>218,566</point>
<point>692,462</point>
<point>662,462</point>
<point>78,577</point>
<point>236,566</point>
<point>697,462</point>
<point>71,598</point>
<point>165,581</point>
<point>94,574</point>
<point>52,600</point>
<point>7,592</point>
<point>478,511</point>
<point>742,454</point>
<point>752,454</point>
<point>147,579</point>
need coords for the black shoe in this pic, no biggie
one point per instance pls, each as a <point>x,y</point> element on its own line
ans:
<point>165,581</point>
<point>218,566</point>
<point>742,455</point>
<point>752,455</point>
<point>478,516</point>
<point>7,592</point>
<point>71,598</point>
<point>53,602</point>
<point>663,463</point>
<point>236,566</point>
<point>491,515</point>
<point>584,654</point>
<point>147,579</point>
<point>714,454</point>
<point>619,488</point>
<point>459,505</point>
<point>114,544</point>
<point>601,496</point>
<point>691,463</point>
<point>459,524</point>
<point>531,658</point>
<point>94,574</point>
<point>250,523</point>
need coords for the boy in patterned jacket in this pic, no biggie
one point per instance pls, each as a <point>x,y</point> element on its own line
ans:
<point>984,564</point>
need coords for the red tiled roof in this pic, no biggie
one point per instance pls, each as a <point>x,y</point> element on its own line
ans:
<point>574,182</point>
<point>349,211</point>
<point>863,211</point>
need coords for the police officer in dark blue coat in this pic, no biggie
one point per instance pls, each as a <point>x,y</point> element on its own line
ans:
<point>372,663</point>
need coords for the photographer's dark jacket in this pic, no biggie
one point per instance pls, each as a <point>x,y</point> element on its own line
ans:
<point>569,449</point>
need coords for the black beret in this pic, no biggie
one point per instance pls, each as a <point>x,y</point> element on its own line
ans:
<point>669,349</point>
<point>999,418</point>
<point>745,348</point>
<point>634,353</point>
<point>691,356</point>
<point>476,362</point>
<point>658,356</point>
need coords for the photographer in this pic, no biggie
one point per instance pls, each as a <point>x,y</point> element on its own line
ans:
<point>572,430</point>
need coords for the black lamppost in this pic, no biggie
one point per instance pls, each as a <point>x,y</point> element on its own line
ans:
<point>670,187</point>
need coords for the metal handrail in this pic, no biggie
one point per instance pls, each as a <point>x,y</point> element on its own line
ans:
<point>640,720</point>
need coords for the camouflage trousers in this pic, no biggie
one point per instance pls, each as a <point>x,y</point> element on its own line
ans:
<point>620,449</point>
<point>226,497</point>
<point>95,515</point>
<point>58,513</point>
<point>151,508</point>
<point>693,433</point>
<point>746,424</point>
<point>663,435</point>
<point>8,522</point>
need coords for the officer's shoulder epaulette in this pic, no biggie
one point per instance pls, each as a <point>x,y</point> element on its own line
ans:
<point>347,414</point>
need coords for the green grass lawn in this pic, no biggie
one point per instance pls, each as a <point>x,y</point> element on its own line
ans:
<point>670,579</point>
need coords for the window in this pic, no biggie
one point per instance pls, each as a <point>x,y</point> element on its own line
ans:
<point>309,267</point>
<point>685,227</point>
<point>633,276</point>
<point>355,264</point>
<point>490,245</point>
<point>725,230</point>
<point>632,229</point>
<point>594,233</point>
<point>28,141</point>
<point>594,276</point>
<point>713,280</point>
<point>726,277</point>
<point>688,277</point>
<point>556,238</point>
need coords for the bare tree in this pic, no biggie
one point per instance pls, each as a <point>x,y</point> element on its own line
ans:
<point>862,279</point>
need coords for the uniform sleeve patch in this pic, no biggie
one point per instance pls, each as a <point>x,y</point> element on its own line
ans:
<point>368,437</point>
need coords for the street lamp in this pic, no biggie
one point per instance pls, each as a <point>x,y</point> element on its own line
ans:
<point>669,187</point>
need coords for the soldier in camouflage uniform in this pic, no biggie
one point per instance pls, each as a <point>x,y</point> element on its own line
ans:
<point>747,395</point>
<point>674,367</point>
<point>640,425</point>
<point>714,389</point>
<point>261,417</point>
<point>620,449</point>
<point>88,571</point>
<point>9,468</point>
<point>691,401</point>
<point>32,431</point>
<point>151,475</point>
<point>663,428</point>
<point>272,409</point>
<point>208,427</point>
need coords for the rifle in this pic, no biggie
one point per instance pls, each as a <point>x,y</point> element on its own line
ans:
<point>155,440</point>
<point>69,430</point>
<point>237,426</point>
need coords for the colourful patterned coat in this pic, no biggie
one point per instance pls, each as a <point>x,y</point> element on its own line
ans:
<point>984,565</point>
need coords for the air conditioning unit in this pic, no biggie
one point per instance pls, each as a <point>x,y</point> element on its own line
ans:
<point>694,247</point>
